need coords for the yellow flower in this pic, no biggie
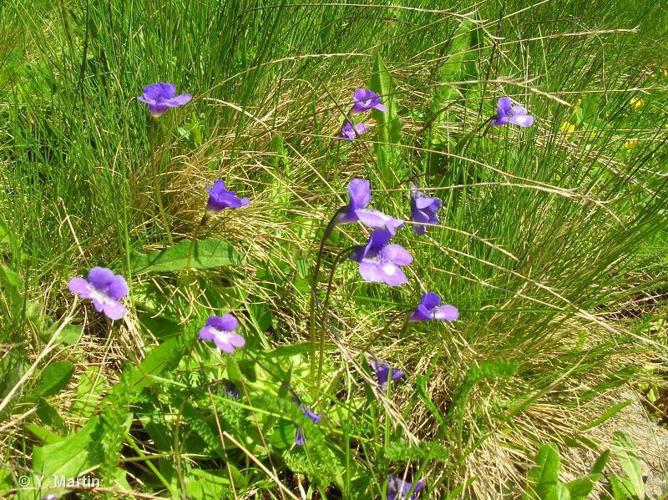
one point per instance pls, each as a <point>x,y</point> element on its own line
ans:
<point>631,143</point>
<point>567,128</point>
<point>637,102</point>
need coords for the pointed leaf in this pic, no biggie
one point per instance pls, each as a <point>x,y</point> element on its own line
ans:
<point>53,378</point>
<point>206,254</point>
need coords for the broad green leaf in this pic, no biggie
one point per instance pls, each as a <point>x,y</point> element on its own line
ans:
<point>4,233</point>
<point>50,416</point>
<point>260,315</point>
<point>455,65</point>
<point>76,453</point>
<point>201,484</point>
<point>581,488</point>
<point>73,455</point>
<point>558,492</point>
<point>290,350</point>
<point>43,434</point>
<point>159,326</point>
<point>10,277</point>
<point>302,276</point>
<point>206,254</point>
<point>233,370</point>
<point>166,355</point>
<point>544,477</point>
<point>388,123</point>
<point>11,285</point>
<point>389,130</point>
<point>458,65</point>
<point>622,489</point>
<point>86,449</point>
<point>70,334</point>
<point>53,378</point>
<point>624,450</point>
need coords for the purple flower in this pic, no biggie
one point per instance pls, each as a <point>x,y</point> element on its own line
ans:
<point>162,96</point>
<point>507,113</point>
<point>425,209</point>
<point>221,329</point>
<point>364,100</point>
<point>360,196</point>
<point>350,132</point>
<point>380,262</point>
<point>104,289</point>
<point>377,219</point>
<point>220,197</point>
<point>384,372</point>
<point>230,389</point>
<point>359,191</point>
<point>315,418</point>
<point>398,489</point>
<point>429,308</point>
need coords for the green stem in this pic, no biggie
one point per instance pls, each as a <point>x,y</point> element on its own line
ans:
<point>156,158</point>
<point>325,308</point>
<point>314,291</point>
<point>193,242</point>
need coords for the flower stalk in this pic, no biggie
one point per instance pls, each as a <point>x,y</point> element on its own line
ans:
<point>314,289</point>
<point>156,160</point>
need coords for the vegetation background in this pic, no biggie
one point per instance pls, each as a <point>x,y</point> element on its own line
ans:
<point>553,245</point>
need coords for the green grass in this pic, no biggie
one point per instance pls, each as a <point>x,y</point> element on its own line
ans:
<point>552,243</point>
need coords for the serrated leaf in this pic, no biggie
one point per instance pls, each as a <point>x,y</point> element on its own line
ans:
<point>90,385</point>
<point>206,254</point>
<point>53,378</point>
<point>203,429</point>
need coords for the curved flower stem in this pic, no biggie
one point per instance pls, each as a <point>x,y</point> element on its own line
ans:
<point>193,242</point>
<point>314,289</point>
<point>321,351</point>
<point>156,157</point>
